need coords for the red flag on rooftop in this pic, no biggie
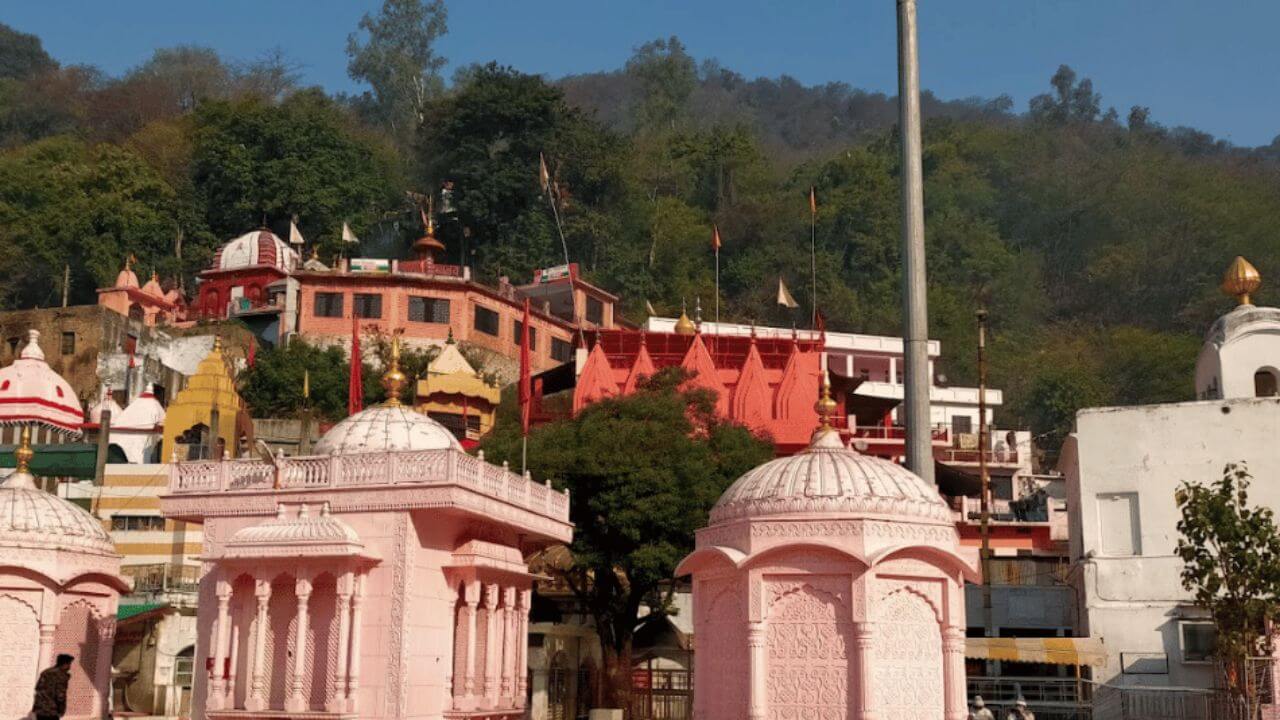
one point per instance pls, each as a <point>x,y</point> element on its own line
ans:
<point>253,347</point>
<point>355,386</point>
<point>526,373</point>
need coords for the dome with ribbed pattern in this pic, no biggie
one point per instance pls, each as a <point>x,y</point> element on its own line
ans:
<point>31,518</point>
<point>829,478</point>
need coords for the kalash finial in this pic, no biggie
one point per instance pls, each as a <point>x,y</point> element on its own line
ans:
<point>24,453</point>
<point>394,379</point>
<point>685,326</point>
<point>1241,280</point>
<point>825,407</point>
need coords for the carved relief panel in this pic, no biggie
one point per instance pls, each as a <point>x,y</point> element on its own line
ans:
<point>907,657</point>
<point>809,633</point>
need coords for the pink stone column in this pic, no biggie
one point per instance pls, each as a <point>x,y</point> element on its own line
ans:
<point>756,637</point>
<point>338,701</point>
<point>234,671</point>
<point>465,681</point>
<point>508,617</point>
<point>102,673</point>
<point>257,699</point>
<point>863,679</point>
<point>492,646</point>
<point>955,693</point>
<point>522,641</point>
<point>357,629</point>
<point>221,631</point>
<point>297,702</point>
<point>47,632</point>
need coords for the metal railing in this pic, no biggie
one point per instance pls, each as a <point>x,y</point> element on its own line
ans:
<point>895,432</point>
<point>163,578</point>
<point>995,457</point>
<point>1049,698</point>
<point>408,467</point>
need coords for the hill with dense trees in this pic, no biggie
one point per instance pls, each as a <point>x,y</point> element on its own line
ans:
<point>1095,237</point>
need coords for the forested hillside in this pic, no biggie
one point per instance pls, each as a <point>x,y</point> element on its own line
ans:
<point>1094,236</point>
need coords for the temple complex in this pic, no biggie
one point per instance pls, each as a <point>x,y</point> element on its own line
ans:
<point>59,572</point>
<point>149,303</point>
<point>829,585</point>
<point>383,577</point>
<point>455,395</point>
<point>207,419</point>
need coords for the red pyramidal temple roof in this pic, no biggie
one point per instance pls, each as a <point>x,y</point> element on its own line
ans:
<point>768,384</point>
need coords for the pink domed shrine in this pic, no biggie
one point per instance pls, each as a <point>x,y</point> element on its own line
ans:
<point>31,393</point>
<point>829,585</point>
<point>382,578</point>
<point>148,303</point>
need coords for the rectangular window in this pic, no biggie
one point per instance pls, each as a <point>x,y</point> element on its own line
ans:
<point>68,343</point>
<point>486,321</point>
<point>1118,524</point>
<point>961,424</point>
<point>328,305</point>
<point>595,311</point>
<point>561,350</point>
<point>1199,641</point>
<point>367,305</point>
<point>428,310</point>
<point>517,332</point>
<point>137,522</point>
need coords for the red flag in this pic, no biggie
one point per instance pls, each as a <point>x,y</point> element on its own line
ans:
<point>355,386</point>
<point>526,374</point>
<point>715,238</point>
<point>253,346</point>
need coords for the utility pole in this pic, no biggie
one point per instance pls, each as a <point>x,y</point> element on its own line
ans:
<point>66,283</point>
<point>915,307</point>
<point>984,442</point>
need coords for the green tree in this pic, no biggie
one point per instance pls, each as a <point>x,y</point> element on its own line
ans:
<point>1230,552</point>
<point>22,55</point>
<point>667,76</point>
<point>635,505</point>
<point>273,386</point>
<point>399,61</point>
<point>63,202</point>
<point>303,157</point>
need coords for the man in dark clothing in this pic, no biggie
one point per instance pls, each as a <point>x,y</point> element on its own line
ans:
<point>51,690</point>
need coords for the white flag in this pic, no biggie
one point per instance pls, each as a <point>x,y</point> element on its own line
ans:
<point>295,235</point>
<point>347,235</point>
<point>648,306</point>
<point>784,296</point>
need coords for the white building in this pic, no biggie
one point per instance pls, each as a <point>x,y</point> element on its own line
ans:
<point>1123,466</point>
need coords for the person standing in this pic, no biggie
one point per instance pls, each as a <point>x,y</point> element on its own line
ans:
<point>51,690</point>
<point>1020,711</point>
<point>980,711</point>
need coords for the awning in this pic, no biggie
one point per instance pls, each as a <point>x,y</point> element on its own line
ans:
<point>66,460</point>
<point>140,612</point>
<point>1054,651</point>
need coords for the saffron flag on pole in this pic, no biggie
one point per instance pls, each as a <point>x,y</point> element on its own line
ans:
<point>355,386</point>
<point>715,238</point>
<point>813,200</point>
<point>295,235</point>
<point>544,177</point>
<point>526,374</point>
<point>784,296</point>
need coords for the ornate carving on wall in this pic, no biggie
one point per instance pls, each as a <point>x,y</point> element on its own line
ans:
<point>907,652</point>
<point>21,632</point>
<point>809,635</point>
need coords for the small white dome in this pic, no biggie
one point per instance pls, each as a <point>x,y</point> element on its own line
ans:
<point>31,392</point>
<point>106,402</point>
<point>256,249</point>
<point>34,519</point>
<point>828,478</point>
<point>304,528</point>
<point>386,427</point>
<point>144,413</point>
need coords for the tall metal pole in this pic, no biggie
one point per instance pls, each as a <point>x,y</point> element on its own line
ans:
<point>915,308</point>
<point>984,442</point>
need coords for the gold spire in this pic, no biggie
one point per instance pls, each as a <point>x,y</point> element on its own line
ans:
<point>24,453</point>
<point>394,379</point>
<point>217,343</point>
<point>431,212</point>
<point>825,407</point>
<point>685,326</point>
<point>1241,280</point>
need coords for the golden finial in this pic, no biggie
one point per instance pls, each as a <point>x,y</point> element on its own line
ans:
<point>431,215</point>
<point>1241,280</point>
<point>825,407</point>
<point>685,326</point>
<point>24,453</point>
<point>217,343</point>
<point>394,379</point>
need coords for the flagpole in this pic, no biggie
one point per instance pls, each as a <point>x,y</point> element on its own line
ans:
<point>813,251</point>
<point>556,213</point>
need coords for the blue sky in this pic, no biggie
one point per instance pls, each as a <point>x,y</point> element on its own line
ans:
<point>1209,65</point>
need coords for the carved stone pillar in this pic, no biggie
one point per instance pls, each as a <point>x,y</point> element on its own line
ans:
<point>492,646</point>
<point>297,702</point>
<point>102,673</point>
<point>234,670</point>
<point>357,630</point>
<point>508,618</point>
<point>47,632</point>
<point>756,640</point>
<point>217,697</point>
<point>342,605</point>
<point>955,694</point>
<point>465,680</point>
<point>863,660</point>
<point>257,699</point>
<point>522,641</point>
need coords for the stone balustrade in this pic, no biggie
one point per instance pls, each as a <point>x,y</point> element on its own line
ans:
<point>408,467</point>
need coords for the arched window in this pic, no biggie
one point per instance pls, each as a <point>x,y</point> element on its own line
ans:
<point>1264,383</point>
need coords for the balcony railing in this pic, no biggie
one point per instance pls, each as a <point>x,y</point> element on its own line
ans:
<point>398,468</point>
<point>163,578</point>
<point>995,457</point>
<point>1049,698</point>
<point>941,433</point>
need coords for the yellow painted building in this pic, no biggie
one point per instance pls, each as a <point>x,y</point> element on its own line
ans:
<point>456,396</point>
<point>190,414</point>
